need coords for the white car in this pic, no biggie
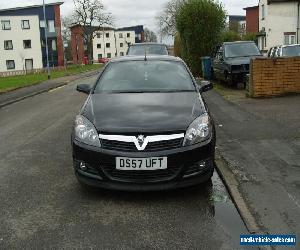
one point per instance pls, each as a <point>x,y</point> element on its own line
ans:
<point>285,51</point>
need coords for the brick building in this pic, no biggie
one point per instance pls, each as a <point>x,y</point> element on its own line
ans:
<point>106,42</point>
<point>252,19</point>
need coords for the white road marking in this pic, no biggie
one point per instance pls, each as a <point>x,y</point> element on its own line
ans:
<point>52,90</point>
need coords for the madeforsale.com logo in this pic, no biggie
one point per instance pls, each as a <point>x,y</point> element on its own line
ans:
<point>268,240</point>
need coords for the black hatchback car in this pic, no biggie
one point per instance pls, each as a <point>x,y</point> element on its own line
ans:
<point>144,126</point>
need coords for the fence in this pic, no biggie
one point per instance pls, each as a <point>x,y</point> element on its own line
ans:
<point>274,77</point>
<point>33,71</point>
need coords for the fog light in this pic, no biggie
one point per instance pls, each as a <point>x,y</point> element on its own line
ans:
<point>201,165</point>
<point>82,166</point>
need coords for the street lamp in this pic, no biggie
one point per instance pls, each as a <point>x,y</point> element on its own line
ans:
<point>46,37</point>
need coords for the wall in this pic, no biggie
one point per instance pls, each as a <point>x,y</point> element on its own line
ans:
<point>17,35</point>
<point>60,48</point>
<point>252,17</point>
<point>77,44</point>
<point>274,77</point>
<point>279,18</point>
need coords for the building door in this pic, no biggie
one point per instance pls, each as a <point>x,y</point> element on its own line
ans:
<point>28,64</point>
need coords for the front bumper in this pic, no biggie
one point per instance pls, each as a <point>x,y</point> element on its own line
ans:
<point>187,166</point>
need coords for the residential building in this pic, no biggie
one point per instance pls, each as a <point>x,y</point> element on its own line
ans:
<point>55,45</point>
<point>111,43</point>
<point>252,19</point>
<point>237,23</point>
<point>107,42</point>
<point>278,23</point>
<point>20,46</point>
<point>138,30</point>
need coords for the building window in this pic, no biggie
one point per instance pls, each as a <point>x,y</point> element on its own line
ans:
<point>8,45</point>
<point>292,39</point>
<point>289,38</point>
<point>128,34</point>
<point>120,35</point>
<point>42,24</point>
<point>121,45</point>
<point>107,45</point>
<point>99,56</point>
<point>5,25</point>
<point>27,44</point>
<point>53,45</point>
<point>263,13</point>
<point>51,27</point>
<point>25,24</point>
<point>108,55</point>
<point>99,46</point>
<point>10,64</point>
<point>107,35</point>
<point>98,35</point>
<point>121,53</point>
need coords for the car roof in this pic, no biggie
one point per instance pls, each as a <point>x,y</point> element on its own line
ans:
<point>225,43</point>
<point>290,45</point>
<point>149,57</point>
<point>148,43</point>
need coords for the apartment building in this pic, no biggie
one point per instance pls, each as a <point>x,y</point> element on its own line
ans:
<point>20,46</point>
<point>107,42</point>
<point>35,16</point>
<point>111,43</point>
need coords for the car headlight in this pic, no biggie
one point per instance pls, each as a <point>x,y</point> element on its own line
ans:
<point>199,130</point>
<point>85,131</point>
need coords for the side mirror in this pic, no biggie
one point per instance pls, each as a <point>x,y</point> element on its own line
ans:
<point>84,88</point>
<point>205,86</point>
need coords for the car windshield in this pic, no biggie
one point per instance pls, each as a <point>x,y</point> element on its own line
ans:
<point>241,50</point>
<point>145,76</point>
<point>155,49</point>
<point>291,51</point>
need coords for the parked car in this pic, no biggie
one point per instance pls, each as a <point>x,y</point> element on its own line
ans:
<point>139,49</point>
<point>131,135</point>
<point>103,60</point>
<point>284,51</point>
<point>231,61</point>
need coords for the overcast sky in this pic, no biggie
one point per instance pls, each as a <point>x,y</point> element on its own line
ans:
<point>133,12</point>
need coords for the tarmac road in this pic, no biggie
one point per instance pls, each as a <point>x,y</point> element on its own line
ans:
<point>43,207</point>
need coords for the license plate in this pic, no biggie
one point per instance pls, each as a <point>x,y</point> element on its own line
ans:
<point>154,163</point>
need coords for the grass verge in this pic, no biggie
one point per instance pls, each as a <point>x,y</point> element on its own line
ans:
<point>15,82</point>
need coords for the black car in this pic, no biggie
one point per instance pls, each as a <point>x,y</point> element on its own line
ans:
<point>140,49</point>
<point>147,130</point>
<point>231,61</point>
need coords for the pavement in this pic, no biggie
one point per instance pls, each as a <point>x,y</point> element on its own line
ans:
<point>43,207</point>
<point>22,93</point>
<point>260,141</point>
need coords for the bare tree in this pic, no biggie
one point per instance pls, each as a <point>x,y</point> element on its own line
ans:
<point>167,18</point>
<point>91,15</point>
<point>150,36</point>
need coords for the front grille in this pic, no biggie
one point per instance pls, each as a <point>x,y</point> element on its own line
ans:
<point>109,169</point>
<point>152,146</point>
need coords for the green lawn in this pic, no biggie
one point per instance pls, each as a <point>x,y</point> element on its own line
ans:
<point>14,82</point>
